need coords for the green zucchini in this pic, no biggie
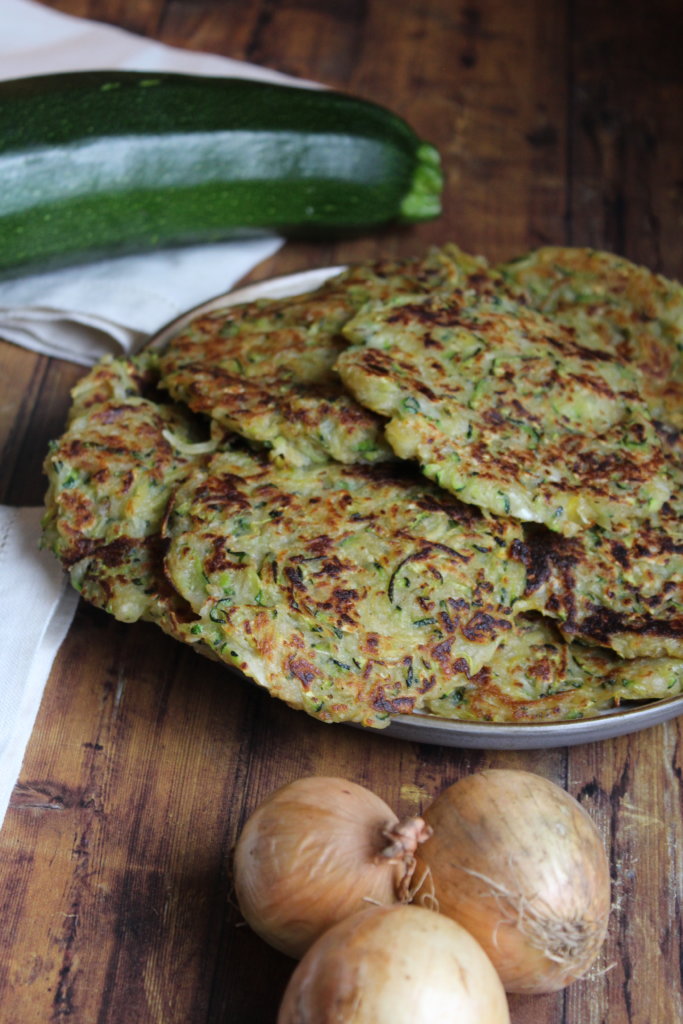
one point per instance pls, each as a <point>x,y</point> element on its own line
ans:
<point>98,164</point>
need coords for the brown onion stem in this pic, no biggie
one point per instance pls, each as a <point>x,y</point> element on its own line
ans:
<point>404,838</point>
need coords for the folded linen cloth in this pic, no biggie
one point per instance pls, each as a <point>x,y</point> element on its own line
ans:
<point>82,313</point>
<point>36,608</point>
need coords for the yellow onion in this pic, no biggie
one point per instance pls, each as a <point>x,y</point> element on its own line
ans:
<point>317,850</point>
<point>395,965</point>
<point>518,862</point>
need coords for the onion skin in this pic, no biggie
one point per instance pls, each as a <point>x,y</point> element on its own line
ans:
<point>396,965</point>
<point>518,862</point>
<point>315,851</point>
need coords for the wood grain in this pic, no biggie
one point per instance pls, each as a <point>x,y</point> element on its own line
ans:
<point>558,122</point>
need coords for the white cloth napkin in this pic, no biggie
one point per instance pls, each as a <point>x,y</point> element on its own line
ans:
<point>81,314</point>
<point>36,609</point>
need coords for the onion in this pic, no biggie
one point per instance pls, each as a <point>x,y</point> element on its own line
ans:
<point>316,851</point>
<point>518,862</point>
<point>395,965</point>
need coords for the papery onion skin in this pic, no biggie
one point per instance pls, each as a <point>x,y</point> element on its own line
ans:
<point>520,864</point>
<point>312,853</point>
<point>395,965</point>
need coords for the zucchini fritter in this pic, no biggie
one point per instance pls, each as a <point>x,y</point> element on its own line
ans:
<point>265,369</point>
<point>615,305</point>
<point>620,588</point>
<point>110,476</point>
<point>508,411</point>
<point>535,675</point>
<point>346,591</point>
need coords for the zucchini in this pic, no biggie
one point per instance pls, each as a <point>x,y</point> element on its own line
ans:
<point>98,164</point>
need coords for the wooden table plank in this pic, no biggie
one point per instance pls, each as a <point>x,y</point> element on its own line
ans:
<point>627,125</point>
<point>557,123</point>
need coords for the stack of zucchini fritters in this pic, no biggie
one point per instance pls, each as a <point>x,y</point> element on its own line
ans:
<point>431,485</point>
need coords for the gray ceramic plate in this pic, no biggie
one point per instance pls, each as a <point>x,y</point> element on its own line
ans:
<point>428,728</point>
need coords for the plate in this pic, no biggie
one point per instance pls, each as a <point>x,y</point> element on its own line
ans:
<point>422,728</point>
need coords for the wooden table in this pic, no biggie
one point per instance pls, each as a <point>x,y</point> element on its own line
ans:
<point>557,122</point>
